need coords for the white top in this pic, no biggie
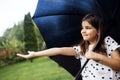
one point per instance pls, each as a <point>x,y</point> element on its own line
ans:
<point>95,70</point>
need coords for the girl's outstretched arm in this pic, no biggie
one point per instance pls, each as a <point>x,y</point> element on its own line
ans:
<point>68,51</point>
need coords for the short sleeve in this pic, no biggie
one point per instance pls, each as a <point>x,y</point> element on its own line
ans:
<point>77,51</point>
<point>111,44</point>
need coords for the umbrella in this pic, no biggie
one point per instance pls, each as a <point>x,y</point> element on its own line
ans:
<point>59,23</point>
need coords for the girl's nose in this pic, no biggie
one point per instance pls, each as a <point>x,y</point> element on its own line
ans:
<point>83,31</point>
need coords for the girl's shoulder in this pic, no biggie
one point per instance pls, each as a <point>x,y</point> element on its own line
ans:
<point>108,37</point>
<point>110,40</point>
<point>110,43</point>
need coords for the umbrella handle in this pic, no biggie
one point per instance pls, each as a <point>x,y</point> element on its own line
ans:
<point>77,77</point>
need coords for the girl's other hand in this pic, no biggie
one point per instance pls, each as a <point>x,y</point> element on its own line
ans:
<point>26,56</point>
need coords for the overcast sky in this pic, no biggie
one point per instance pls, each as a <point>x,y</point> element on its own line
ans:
<point>13,11</point>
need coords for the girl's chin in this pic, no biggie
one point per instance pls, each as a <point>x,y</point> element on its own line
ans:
<point>85,39</point>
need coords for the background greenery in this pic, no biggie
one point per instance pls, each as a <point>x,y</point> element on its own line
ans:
<point>20,38</point>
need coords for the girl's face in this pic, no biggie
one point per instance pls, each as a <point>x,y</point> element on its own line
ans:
<point>89,33</point>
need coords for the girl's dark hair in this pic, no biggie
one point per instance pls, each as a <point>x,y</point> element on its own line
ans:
<point>98,24</point>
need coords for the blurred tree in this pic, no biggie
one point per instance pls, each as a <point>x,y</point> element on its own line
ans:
<point>32,37</point>
<point>29,34</point>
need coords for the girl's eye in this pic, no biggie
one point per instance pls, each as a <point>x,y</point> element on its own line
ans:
<point>87,27</point>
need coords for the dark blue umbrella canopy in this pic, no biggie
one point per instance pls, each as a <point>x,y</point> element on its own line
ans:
<point>59,22</point>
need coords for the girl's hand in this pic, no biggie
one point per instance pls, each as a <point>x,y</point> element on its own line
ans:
<point>92,55</point>
<point>26,56</point>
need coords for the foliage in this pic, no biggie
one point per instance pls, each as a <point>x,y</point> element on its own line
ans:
<point>20,38</point>
<point>10,43</point>
<point>32,36</point>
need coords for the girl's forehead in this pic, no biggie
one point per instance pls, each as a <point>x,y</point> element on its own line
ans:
<point>86,23</point>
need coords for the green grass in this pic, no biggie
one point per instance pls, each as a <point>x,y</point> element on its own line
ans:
<point>40,69</point>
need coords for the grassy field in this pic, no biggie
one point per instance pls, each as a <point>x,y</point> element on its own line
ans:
<point>40,69</point>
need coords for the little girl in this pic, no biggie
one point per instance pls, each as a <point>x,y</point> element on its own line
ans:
<point>101,50</point>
